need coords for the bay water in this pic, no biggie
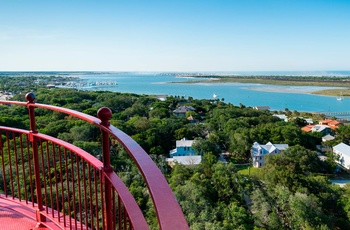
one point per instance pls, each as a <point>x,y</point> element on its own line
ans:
<point>276,97</point>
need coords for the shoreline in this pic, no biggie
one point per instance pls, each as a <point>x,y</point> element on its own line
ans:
<point>336,85</point>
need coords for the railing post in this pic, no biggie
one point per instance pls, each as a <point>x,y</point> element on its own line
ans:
<point>105,114</point>
<point>39,218</point>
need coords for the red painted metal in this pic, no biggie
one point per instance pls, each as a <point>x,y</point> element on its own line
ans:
<point>103,190</point>
<point>105,114</point>
<point>39,218</point>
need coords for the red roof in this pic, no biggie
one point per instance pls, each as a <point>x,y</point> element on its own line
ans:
<point>325,122</point>
<point>307,128</point>
<point>333,124</point>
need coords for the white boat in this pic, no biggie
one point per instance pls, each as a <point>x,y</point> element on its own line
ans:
<point>340,98</point>
<point>215,96</point>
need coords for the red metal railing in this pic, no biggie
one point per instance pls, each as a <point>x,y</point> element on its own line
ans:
<point>71,188</point>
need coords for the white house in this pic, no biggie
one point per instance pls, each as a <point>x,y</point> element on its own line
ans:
<point>309,121</point>
<point>281,116</point>
<point>259,152</point>
<point>343,151</point>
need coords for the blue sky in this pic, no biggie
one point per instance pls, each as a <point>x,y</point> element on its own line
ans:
<point>176,35</point>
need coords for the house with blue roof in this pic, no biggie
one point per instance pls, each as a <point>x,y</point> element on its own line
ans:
<point>183,148</point>
<point>184,153</point>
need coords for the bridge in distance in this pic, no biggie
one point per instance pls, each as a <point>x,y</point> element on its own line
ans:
<point>341,116</point>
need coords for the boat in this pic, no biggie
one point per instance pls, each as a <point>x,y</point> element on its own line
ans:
<point>215,96</point>
<point>340,98</point>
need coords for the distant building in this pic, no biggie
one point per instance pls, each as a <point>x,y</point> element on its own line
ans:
<point>343,152</point>
<point>182,110</point>
<point>261,107</point>
<point>281,116</point>
<point>309,121</point>
<point>161,97</point>
<point>333,124</point>
<point>259,152</point>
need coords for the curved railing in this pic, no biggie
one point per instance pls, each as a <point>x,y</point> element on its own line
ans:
<point>73,189</point>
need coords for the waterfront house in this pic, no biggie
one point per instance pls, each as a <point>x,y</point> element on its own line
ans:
<point>182,110</point>
<point>262,108</point>
<point>343,152</point>
<point>259,152</point>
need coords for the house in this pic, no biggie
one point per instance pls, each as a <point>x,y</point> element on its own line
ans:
<point>281,116</point>
<point>333,124</point>
<point>307,128</point>
<point>309,121</point>
<point>343,152</point>
<point>259,152</point>
<point>184,153</point>
<point>324,126</point>
<point>182,110</point>
<point>183,148</point>
<point>323,148</point>
<point>324,129</point>
<point>328,138</point>
<point>261,107</point>
<point>191,119</point>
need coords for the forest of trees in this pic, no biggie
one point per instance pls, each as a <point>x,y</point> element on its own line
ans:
<point>292,191</point>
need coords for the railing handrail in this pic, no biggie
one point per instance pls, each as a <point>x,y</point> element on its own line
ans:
<point>167,208</point>
<point>133,210</point>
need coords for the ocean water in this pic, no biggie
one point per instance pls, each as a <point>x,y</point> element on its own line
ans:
<point>276,97</point>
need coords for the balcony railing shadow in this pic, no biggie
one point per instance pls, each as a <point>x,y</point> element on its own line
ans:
<point>66,185</point>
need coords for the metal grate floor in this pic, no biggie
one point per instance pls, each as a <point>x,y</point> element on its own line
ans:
<point>11,220</point>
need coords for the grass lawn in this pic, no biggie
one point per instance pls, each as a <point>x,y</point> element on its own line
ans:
<point>248,170</point>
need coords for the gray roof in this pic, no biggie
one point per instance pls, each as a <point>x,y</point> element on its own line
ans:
<point>319,128</point>
<point>343,148</point>
<point>269,147</point>
<point>262,107</point>
<point>186,160</point>
<point>184,109</point>
<point>184,143</point>
<point>328,137</point>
